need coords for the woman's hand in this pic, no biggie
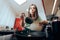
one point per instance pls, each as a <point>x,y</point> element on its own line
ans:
<point>23,28</point>
<point>43,22</point>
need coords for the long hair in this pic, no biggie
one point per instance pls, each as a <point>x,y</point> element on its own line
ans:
<point>22,17</point>
<point>35,14</point>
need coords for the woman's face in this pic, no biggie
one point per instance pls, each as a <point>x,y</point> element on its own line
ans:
<point>23,14</point>
<point>32,9</point>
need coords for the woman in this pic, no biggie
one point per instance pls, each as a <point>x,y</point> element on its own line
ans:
<point>19,23</point>
<point>37,21</point>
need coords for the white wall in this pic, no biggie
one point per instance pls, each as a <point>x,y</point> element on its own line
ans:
<point>7,16</point>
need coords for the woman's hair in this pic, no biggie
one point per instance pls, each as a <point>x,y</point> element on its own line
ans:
<point>22,15</point>
<point>35,13</point>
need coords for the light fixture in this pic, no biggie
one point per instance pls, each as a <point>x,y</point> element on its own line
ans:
<point>54,6</point>
<point>20,1</point>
